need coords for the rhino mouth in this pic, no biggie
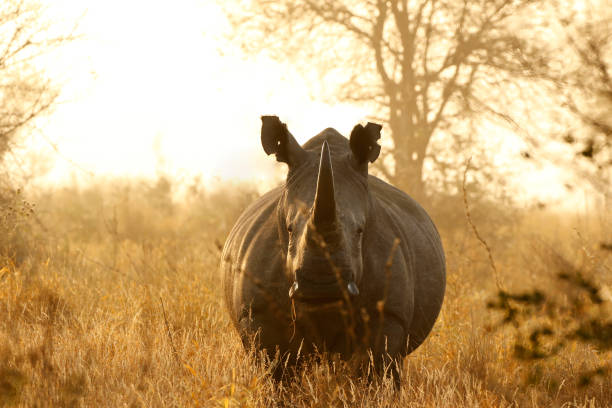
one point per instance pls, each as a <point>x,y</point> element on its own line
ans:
<point>319,301</point>
<point>322,294</point>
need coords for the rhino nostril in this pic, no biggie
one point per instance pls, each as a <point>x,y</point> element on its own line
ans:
<point>352,288</point>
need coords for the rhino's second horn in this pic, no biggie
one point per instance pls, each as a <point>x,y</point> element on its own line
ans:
<point>294,288</point>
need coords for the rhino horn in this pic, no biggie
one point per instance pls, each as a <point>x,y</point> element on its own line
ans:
<point>325,202</point>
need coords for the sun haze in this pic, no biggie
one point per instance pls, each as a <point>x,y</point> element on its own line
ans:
<point>135,270</point>
<point>154,87</point>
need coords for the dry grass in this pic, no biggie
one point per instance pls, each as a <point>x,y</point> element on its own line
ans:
<point>122,306</point>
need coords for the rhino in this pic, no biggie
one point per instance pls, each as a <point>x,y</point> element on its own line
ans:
<point>335,260</point>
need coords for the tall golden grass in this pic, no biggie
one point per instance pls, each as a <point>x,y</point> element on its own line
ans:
<point>110,296</point>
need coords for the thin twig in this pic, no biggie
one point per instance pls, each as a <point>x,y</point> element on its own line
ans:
<point>498,282</point>
<point>174,352</point>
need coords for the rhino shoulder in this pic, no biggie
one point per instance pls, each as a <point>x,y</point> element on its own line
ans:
<point>402,217</point>
<point>252,219</point>
<point>249,249</point>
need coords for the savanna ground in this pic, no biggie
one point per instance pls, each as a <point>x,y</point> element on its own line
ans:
<point>109,296</point>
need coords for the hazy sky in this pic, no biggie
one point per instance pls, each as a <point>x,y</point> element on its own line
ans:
<point>154,86</point>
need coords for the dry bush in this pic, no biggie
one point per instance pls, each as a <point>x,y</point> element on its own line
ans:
<point>124,308</point>
<point>18,236</point>
<point>566,313</point>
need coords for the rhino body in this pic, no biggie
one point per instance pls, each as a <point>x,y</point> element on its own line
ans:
<point>335,260</point>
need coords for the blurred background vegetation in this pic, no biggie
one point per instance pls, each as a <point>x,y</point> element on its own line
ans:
<point>108,288</point>
<point>439,74</point>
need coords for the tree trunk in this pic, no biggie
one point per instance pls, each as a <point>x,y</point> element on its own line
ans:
<point>409,173</point>
<point>409,153</point>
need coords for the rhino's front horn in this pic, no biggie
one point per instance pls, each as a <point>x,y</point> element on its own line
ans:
<point>325,201</point>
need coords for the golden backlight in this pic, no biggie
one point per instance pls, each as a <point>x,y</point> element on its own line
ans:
<point>155,87</point>
<point>113,289</point>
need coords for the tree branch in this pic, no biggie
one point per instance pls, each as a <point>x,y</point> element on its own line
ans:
<point>377,39</point>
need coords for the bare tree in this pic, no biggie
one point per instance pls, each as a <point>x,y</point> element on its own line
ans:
<point>423,65</point>
<point>26,91</point>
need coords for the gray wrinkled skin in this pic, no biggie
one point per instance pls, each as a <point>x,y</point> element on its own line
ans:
<point>276,243</point>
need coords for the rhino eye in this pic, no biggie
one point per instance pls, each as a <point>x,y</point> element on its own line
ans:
<point>359,230</point>
<point>290,228</point>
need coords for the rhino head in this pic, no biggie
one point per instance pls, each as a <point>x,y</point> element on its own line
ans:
<point>324,211</point>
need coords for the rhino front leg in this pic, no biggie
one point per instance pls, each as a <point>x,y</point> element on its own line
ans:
<point>388,349</point>
<point>273,340</point>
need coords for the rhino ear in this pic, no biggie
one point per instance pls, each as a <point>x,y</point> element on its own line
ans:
<point>364,142</point>
<point>275,138</point>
